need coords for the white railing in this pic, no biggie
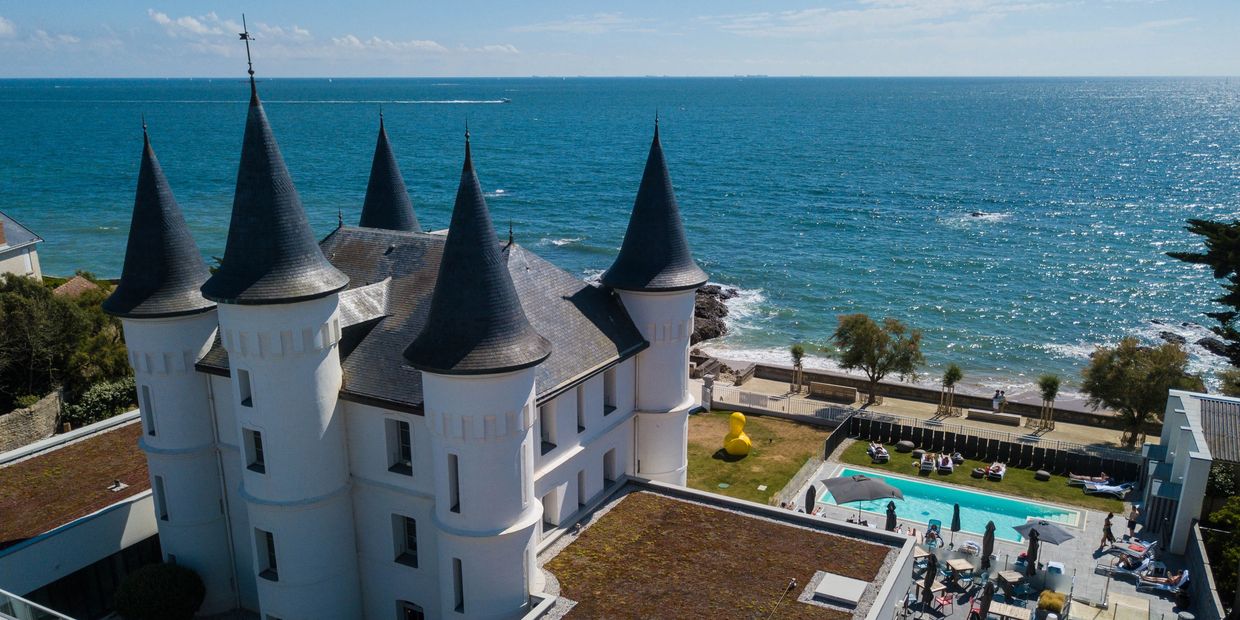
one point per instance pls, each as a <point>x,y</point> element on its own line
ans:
<point>14,607</point>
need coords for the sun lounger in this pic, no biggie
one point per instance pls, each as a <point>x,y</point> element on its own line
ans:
<point>927,463</point>
<point>1118,491</point>
<point>996,471</point>
<point>878,454</point>
<point>1118,570</point>
<point>946,466</point>
<point>1133,548</point>
<point>1080,481</point>
<point>1158,586</point>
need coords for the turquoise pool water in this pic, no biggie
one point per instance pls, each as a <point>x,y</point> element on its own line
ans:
<point>925,500</point>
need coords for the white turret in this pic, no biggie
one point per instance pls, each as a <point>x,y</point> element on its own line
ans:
<point>279,322</point>
<point>168,327</point>
<point>656,278</point>
<point>477,353</point>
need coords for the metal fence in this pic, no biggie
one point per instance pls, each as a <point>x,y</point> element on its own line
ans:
<point>726,395</point>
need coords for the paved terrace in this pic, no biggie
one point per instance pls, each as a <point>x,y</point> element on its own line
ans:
<point>1079,555</point>
<point>1076,433</point>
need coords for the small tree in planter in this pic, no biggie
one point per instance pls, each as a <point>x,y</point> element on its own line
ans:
<point>1048,385</point>
<point>798,354</point>
<point>160,592</point>
<point>947,396</point>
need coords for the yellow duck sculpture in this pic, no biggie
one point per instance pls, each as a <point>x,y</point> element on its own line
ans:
<point>736,442</point>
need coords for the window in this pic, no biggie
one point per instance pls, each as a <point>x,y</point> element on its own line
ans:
<point>454,485</point>
<point>265,547</point>
<point>609,467</point>
<point>609,391</point>
<point>409,611</point>
<point>458,585</point>
<point>405,535</point>
<point>400,447</point>
<point>148,414</point>
<point>581,408</point>
<point>546,426</point>
<point>255,460</point>
<point>161,503</point>
<point>243,387</point>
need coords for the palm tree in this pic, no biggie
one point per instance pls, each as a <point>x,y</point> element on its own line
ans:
<point>947,397</point>
<point>798,354</point>
<point>1048,384</point>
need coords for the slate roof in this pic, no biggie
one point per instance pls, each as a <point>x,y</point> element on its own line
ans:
<point>655,255</point>
<point>15,234</point>
<point>588,328</point>
<point>163,269</point>
<point>475,324</point>
<point>387,203</point>
<point>1220,423</point>
<point>271,256</point>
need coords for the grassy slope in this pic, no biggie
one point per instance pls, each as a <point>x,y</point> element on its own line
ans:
<point>780,448</point>
<point>1016,482</point>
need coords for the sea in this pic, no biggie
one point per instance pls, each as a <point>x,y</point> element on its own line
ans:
<point>1019,223</point>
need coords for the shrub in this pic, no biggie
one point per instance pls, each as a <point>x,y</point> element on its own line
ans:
<point>160,592</point>
<point>101,401</point>
<point>27,401</point>
<point>1051,601</point>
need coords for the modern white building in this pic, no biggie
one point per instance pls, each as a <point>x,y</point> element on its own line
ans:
<point>384,424</point>
<point>17,249</point>
<point>1198,429</point>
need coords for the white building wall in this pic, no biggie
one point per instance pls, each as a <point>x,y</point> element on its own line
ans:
<point>301,495</point>
<point>663,400</point>
<point>385,580</point>
<point>486,514</point>
<point>179,442</point>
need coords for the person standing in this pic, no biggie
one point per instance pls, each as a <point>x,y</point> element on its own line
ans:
<point>994,402</point>
<point>1002,401</point>
<point>1108,536</point>
<point>1133,515</point>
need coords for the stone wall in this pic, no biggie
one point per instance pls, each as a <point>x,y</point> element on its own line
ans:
<point>26,426</point>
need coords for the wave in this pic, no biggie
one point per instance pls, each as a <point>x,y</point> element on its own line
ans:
<point>499,193</point>
<point>593,276</point>
<point>962,219</point>
<point>561,242</point>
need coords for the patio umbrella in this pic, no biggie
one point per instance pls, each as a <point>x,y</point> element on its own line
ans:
<point>932,569</point>
<point>988,544</point>
<point>1049,532</point>
<point>1031,555</point>
<point>891,516</point>
<point>811,496</point>
<point>860,488</point>
<point>988,595</point>
<point>955,522</point>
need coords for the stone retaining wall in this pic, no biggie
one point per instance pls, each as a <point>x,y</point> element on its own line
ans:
<point>25,426</point>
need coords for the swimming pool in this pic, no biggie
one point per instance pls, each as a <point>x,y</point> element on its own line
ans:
<point>925,500</point>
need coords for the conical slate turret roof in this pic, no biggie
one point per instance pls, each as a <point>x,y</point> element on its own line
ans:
<point>387,203</point>
<point>272,256</point>
<point>475,324</point>
<point>163,267</point>
<point>655,255</point>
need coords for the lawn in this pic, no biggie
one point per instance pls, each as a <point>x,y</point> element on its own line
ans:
<point>651,556</point>
<point>1016,482</point>
<point>780,448</point>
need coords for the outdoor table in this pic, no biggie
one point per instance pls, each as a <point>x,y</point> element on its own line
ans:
<point>1013,612</point>
<point>958,566</point>
<point>935,588</point>
<point>1010,577</point>
<point>920,552</point>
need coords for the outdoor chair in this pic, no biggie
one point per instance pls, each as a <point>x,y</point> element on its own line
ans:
<point>943,601</point>
<point>1155,586</point>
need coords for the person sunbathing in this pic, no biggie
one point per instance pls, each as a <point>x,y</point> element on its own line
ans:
<point>1171,580</point>
<point>996,466</point>
<point>1101,477</point>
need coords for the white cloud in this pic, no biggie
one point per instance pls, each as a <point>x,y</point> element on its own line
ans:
<point>189,25</point>
<point>7,29</point>
<point>874,16</point>
<point>506,48</point>
<point>350,41</point>
<point>598,23</point>
<point>49,41</point>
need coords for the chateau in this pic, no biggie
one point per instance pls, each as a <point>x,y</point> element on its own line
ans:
<point>385,422</point>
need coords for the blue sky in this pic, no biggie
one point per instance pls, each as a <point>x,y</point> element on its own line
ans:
<point>687,37</point>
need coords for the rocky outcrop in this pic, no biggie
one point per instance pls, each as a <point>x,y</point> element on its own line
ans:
<point>1213,345</point>
<point>1172,337</point>
<point>709,310</point>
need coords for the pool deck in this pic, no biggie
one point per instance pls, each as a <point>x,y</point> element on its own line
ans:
<point>1078,555</point>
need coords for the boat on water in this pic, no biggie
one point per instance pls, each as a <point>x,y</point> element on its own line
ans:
<point>505,100</point>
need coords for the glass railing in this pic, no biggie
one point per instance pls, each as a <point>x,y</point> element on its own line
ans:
<point>13,607</point>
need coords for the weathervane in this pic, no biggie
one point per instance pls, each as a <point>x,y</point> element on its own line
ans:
<point>245,36</point>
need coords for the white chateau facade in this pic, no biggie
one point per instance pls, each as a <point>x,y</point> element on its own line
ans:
<point>384,423</point>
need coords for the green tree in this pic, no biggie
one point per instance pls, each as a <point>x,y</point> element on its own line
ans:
<point>798,355</point>
<point>1230,379</point>
<point>1224,549</point>
<point>41,334</point>
<point>1133,380</point>
<point>1048,386</point>
<point>951,376</point>
<point>877,350</point>
<point>1222,255</point>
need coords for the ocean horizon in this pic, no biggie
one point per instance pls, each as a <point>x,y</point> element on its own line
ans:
<point>1019,222</point>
